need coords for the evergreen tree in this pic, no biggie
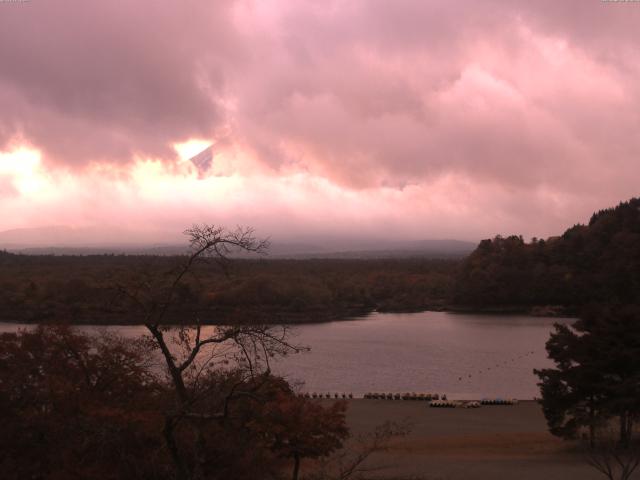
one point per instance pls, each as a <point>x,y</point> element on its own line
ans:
<point>597,373</point>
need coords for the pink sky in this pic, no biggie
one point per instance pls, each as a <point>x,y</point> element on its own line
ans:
<point>417,119</point>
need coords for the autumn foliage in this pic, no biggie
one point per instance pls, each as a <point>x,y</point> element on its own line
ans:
<point>74,405</point>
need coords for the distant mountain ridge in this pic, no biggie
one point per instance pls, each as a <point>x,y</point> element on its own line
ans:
<point>62,240</point>
<point>60,236</point>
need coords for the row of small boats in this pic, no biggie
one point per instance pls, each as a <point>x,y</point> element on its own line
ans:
<point>472,403</point>
<point>427,397</point>
<point>499,401</point>
<point>435,400</point>
<point>454,404</point>
<point>326,395</point>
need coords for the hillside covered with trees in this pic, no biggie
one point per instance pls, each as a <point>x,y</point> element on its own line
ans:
<point>594,263</point>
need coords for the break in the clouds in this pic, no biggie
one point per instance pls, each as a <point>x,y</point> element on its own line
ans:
<point>422,118</point>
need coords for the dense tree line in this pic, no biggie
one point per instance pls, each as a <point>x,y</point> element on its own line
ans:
<point>598,262</point>
<point>85,289</point>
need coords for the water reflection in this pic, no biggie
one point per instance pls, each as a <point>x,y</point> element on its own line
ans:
<point>462,355</point>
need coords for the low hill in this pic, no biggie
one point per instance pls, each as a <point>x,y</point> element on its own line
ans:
<point>598,262</point>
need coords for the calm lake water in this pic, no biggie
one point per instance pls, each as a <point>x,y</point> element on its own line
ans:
<point>463,355</point>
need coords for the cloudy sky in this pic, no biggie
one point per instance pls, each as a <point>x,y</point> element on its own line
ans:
<point>412,119</point>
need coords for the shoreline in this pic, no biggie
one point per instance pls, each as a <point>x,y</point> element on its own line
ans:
<point>316,317</point>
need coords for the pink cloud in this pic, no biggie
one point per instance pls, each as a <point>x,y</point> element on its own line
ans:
<point>457,116</point>
<point>7,189</point>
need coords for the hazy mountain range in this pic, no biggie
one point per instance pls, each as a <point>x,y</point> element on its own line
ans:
<point>61,240</point>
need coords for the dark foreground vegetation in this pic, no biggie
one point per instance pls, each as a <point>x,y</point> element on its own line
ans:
<point>74,406</point>
<point>593,393</point>
<point>597,374</point>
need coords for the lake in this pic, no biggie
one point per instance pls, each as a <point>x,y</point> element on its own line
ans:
<point>465,356</point>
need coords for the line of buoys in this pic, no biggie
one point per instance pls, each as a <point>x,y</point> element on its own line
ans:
<point>502,364</point>
<point>499,401</point>
<point>427,397</point>
<point>325,395</point>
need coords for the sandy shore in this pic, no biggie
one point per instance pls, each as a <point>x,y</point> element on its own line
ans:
<point>491,442</point>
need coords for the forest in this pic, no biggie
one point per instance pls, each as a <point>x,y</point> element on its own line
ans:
<point>87,289</point>
<point>596,262</point>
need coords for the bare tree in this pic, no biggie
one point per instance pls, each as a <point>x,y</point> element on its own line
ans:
<point>614,459</point>
<point>354,462</point>
<point>191,352</point>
